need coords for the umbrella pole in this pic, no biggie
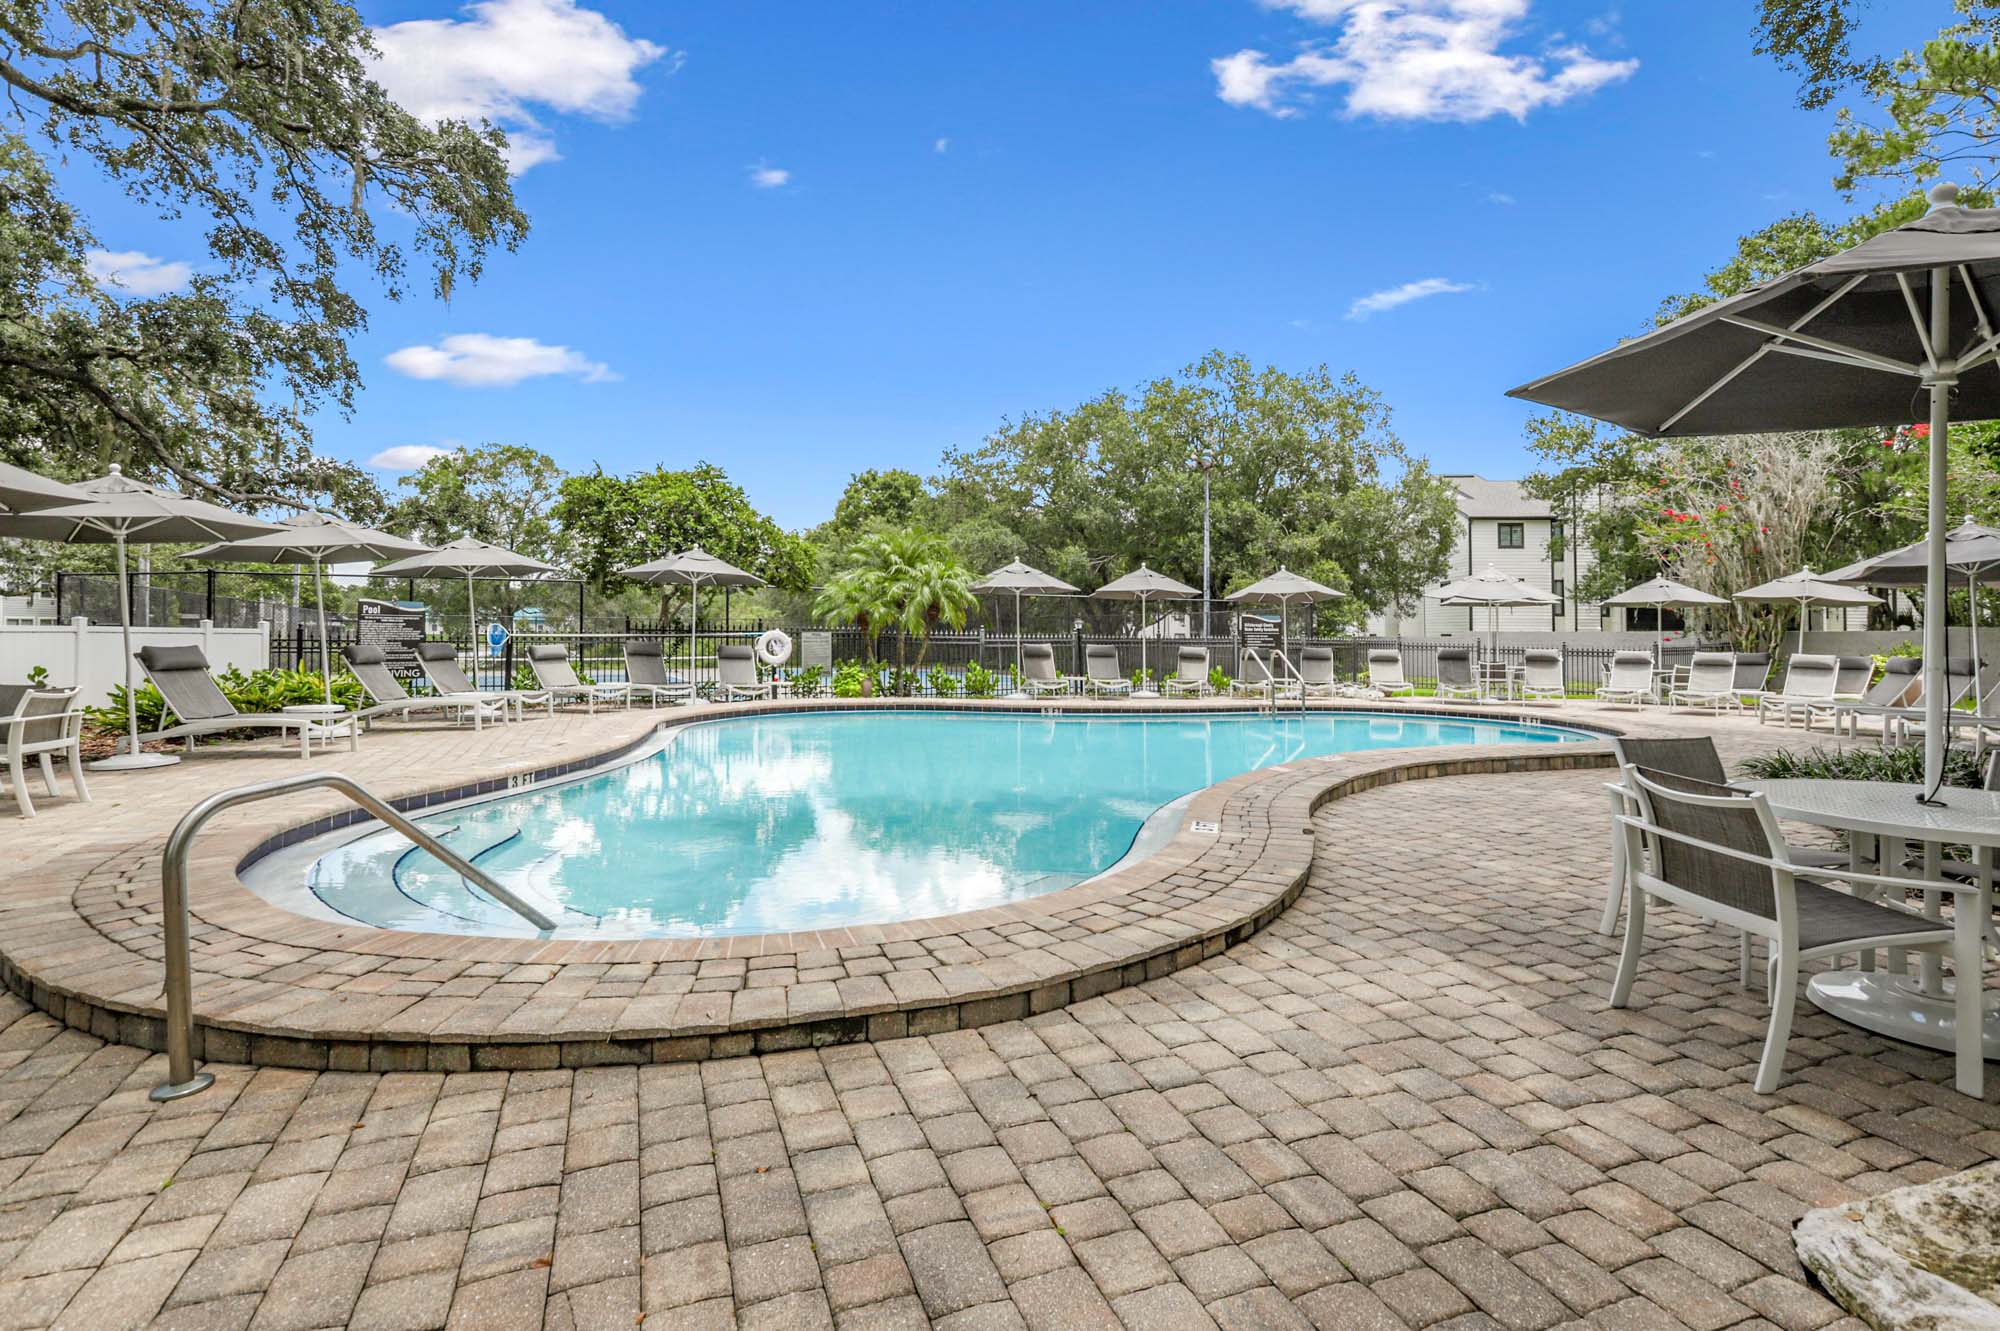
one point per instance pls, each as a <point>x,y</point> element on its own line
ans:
<point>1017,642</point>
<point>325,664</point>
<point>472,632</point>
<point>134,756</point>
<point>1943,376</point>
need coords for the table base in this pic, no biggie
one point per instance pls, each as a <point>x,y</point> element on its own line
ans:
<point>132,762</point>
<point>1892,1005</point>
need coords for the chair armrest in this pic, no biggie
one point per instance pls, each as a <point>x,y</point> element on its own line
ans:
<point>1802,870</point>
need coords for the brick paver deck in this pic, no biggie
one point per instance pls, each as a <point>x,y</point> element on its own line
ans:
<point>1402,1104</point>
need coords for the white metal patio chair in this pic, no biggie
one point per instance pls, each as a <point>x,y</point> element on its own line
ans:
<point>1455,673</point>
<point>1629,680</point>
<point>439,662</point>
<point>1809,680</point>
<point>1253,678</point>
<point>736,674</point>
<point>1101,676</point>
<point>1542,676</point>
<point>370,665</point>
<point>1711,683</point>
<point>1317,677</point>
<point>558,678</point>
<point>1190,678</point>
<point>199,706</point>
<point>44,723</point>
<point>1038,671</point>
<point>646,673</point>
<point>1385,673</point>
<point>1901,684</point>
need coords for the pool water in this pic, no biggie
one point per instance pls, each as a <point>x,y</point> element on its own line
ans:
<point>821,819</point>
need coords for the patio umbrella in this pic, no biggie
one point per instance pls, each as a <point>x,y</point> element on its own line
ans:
<point>1493,589</point>
<point>1281,589</point>
<point>1808,588</point>
<point>466,557</point>
<point>22,491</point>
<point>118,510</point>
<point>1969,549</point>
<point>1022,580</point>
<point>1141,585</point>
<point>694,569</point>
<point>1840,342</point>
<point>1660,593</point>
<point>316,539</point>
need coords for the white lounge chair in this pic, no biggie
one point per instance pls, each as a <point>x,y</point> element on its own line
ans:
<point>646,673</point>
<point>439,662</point>
<point>1253,678</point>
<point>45,722</point>
<point>370,666</point>
<point>1385,673</point>
<point>736,674</point>
<point>1101,676</point>
<point>200,707</point>
<point>1808,680</point>
<point>1753,669</point>
<point>558,678</point>
<point>1711,683</point>
<point>1316,678</point>
<point>1629,682</point>
<point>1190,675</point>
<point>1542,676</point>
<point>1900,686</point>
<point>1038,671</point>
<point>1455,677</point>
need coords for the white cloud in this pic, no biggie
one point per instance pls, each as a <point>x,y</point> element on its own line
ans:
<point>508,57</point>
<point>1415,60</point>
<point>406,457</point>
<point>942,145</point>
<point>1376,302</point>
<point>481,360</point>
<point>769,177</point>
<point>137,272</point>
<point>1502,198</point>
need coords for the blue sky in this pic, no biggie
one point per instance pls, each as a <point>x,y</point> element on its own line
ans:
<point>800,240</point>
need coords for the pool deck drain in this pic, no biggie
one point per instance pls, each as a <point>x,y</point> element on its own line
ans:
<point>81,926</point>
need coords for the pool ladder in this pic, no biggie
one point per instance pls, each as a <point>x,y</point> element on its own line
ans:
<point>182,1079</point>
<point>1272,677</point>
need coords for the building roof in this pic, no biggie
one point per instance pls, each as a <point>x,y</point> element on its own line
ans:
<point>1481,498</point>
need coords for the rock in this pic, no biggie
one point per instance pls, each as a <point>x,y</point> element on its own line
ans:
<point>1922,1258</point>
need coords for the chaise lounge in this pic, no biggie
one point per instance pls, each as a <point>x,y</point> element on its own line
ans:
<point>200,707</point>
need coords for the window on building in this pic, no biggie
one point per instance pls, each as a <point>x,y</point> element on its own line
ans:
<point>1555,533</point>
<point>1557,588</point>
<point>1513,535</point>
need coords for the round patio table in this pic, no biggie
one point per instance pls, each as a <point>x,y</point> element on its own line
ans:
<point>1920,1009</point>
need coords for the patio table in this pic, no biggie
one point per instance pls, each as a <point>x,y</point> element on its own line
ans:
<point>1920,1009</point>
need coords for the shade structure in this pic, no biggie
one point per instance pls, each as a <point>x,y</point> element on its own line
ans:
<point>1494,589</point>
<point>1022,580</point>
<point>1844,341</point>
<point>1971,550</point>
<point>467,557</point>
<point>23,491</point>
<point>317,539</point>
<point>1281,589</point>
<point>1661,593</point>
<point>1141,585</point>
<point>693,568</point>
<point>119,511</point>
<point>1807,588</point>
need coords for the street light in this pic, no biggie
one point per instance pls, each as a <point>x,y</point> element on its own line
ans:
<point>1206,456</point>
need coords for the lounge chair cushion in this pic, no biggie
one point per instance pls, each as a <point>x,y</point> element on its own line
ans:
<point>643,649</point>
<point>179,657</point>
<point>734,651</point>
<point>437,651</point>
<point>362,655</point>
<point>548,651</point>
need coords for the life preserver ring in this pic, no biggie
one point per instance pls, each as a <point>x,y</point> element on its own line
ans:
<point>774,648</point>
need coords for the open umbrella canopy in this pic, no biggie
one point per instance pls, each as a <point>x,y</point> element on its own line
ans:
<point>467,557</point>
<point>1282,588</point>
<point>22,490</point>
<point>1492,587</point>
<point>1809,588</point>
<point>693,567</point>
<point>1141,584</point>
<point>1665,592</point>
<point>1969,548</point>
<point>1024,580</point>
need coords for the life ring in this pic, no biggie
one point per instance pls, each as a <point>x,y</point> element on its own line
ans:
<point>774,648</point>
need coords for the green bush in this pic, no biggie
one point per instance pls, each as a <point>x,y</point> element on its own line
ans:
<point>1142,679</point>
<point>980,682</point>
<point>807,680</point>
<point>262,691</point>
<point>1217,680</point>
<point>1905,766</point>
<point>847,680</point>
<point>944,684</point>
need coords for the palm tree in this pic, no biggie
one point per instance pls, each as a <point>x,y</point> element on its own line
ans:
<point>907,579</point>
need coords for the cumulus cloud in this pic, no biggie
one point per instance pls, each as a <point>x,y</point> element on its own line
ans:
<point>1502,198</point>
<point>1376,302</point>
<point>507,60</point>
<point>1415,60</point>
<point>942,145</point>
<point>481,360</point>
<point>769,177</point>
<point>406,457</point>
<point>137,272</point>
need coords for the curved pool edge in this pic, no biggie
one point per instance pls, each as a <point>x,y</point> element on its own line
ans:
<point>1199,894</point>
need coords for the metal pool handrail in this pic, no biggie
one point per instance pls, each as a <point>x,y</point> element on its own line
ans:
<point>182,1079</point>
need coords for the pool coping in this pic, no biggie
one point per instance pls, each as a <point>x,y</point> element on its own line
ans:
<point>274,987</point>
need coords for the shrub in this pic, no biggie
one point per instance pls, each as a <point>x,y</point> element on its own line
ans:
<point>847,680</point>
<point>1217,680</point>
<point>980,682</point>
<point>1905,766</point>
<point>1141,679</point>
<point>806,681</point>
<point>943,683</point>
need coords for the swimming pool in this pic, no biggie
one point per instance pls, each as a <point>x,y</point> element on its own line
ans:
<point>812,820</point>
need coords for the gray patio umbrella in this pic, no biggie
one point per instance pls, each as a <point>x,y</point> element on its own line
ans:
<point>1281,589</point>
<point>1845,341</point>
<point>1022,580</point>
<point>316,539</point>
<point>1969,549</point>
<point>1493,589</point>
<point>694,569</point>
<point>1808,588</point>
<point>1660,593</point>
<point>119,511</point>
<point>1140,585</point>
<point>22,491</point>
<point>466,557</point>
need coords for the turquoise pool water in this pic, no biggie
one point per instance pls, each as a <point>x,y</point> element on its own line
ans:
<point>815,820</point>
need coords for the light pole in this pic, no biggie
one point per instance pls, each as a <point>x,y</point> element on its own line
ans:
<point>1206,457</point>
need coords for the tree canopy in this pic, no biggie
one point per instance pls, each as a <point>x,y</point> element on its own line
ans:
<point>613,522</point>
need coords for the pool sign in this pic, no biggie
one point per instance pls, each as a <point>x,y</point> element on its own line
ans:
<point>496,638</point>
<point>396,629</point>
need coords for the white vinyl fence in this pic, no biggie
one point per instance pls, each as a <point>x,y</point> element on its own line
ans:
<point>91,656</point>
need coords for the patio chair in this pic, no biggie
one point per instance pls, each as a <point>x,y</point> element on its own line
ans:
<point>1850,682</point>
<point>1982,723</point>
<point>1316,677</point>
<point>1808,679</point>
<point>1038,671</point>
<point>1454,673</point>
<point>1190,674</point>
<point>1711,683</point>
<point>1253,678</point>
<point>200,707</point>
<point>1542,676</point>
<point>646,672</point>
<point>1101,676</point>
<point>439,662</point>
<point>1901,684</point>
<point>558,678</point>
<point>370,665</point>
<point>1629,679</point>
<point>1385,673</point>
<point>1718,852</point>
<point>1753,670</point>
<point>736,674</point>
<point>43,723</point>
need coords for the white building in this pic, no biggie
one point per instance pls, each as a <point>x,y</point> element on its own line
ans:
<point>1499,523</point>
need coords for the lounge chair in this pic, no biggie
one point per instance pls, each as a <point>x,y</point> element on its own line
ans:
<point>1542,676</point>
<point>1385,673</point>
<point>1982,723</point>
<point>1038,671</point>
<point>1718,852</point>
<point>1455,677</point>
<point>1711,683</point>
<point>1316,677</point>
<point>200,707</point>
<point>1808,680</point>
<point>558,678</point>
<point>1753,669</point>
<point>43,723</point>
<point>1850,683</point>
<point>1253,678</point>
<point>1901,684</point>
<point>439,662</point>
<point>1101,676</point>
<point>1629,682</point>
<point>370,665</point>
<point>1190,674</point>
<point>736,674</point>
<point>646,672</point>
